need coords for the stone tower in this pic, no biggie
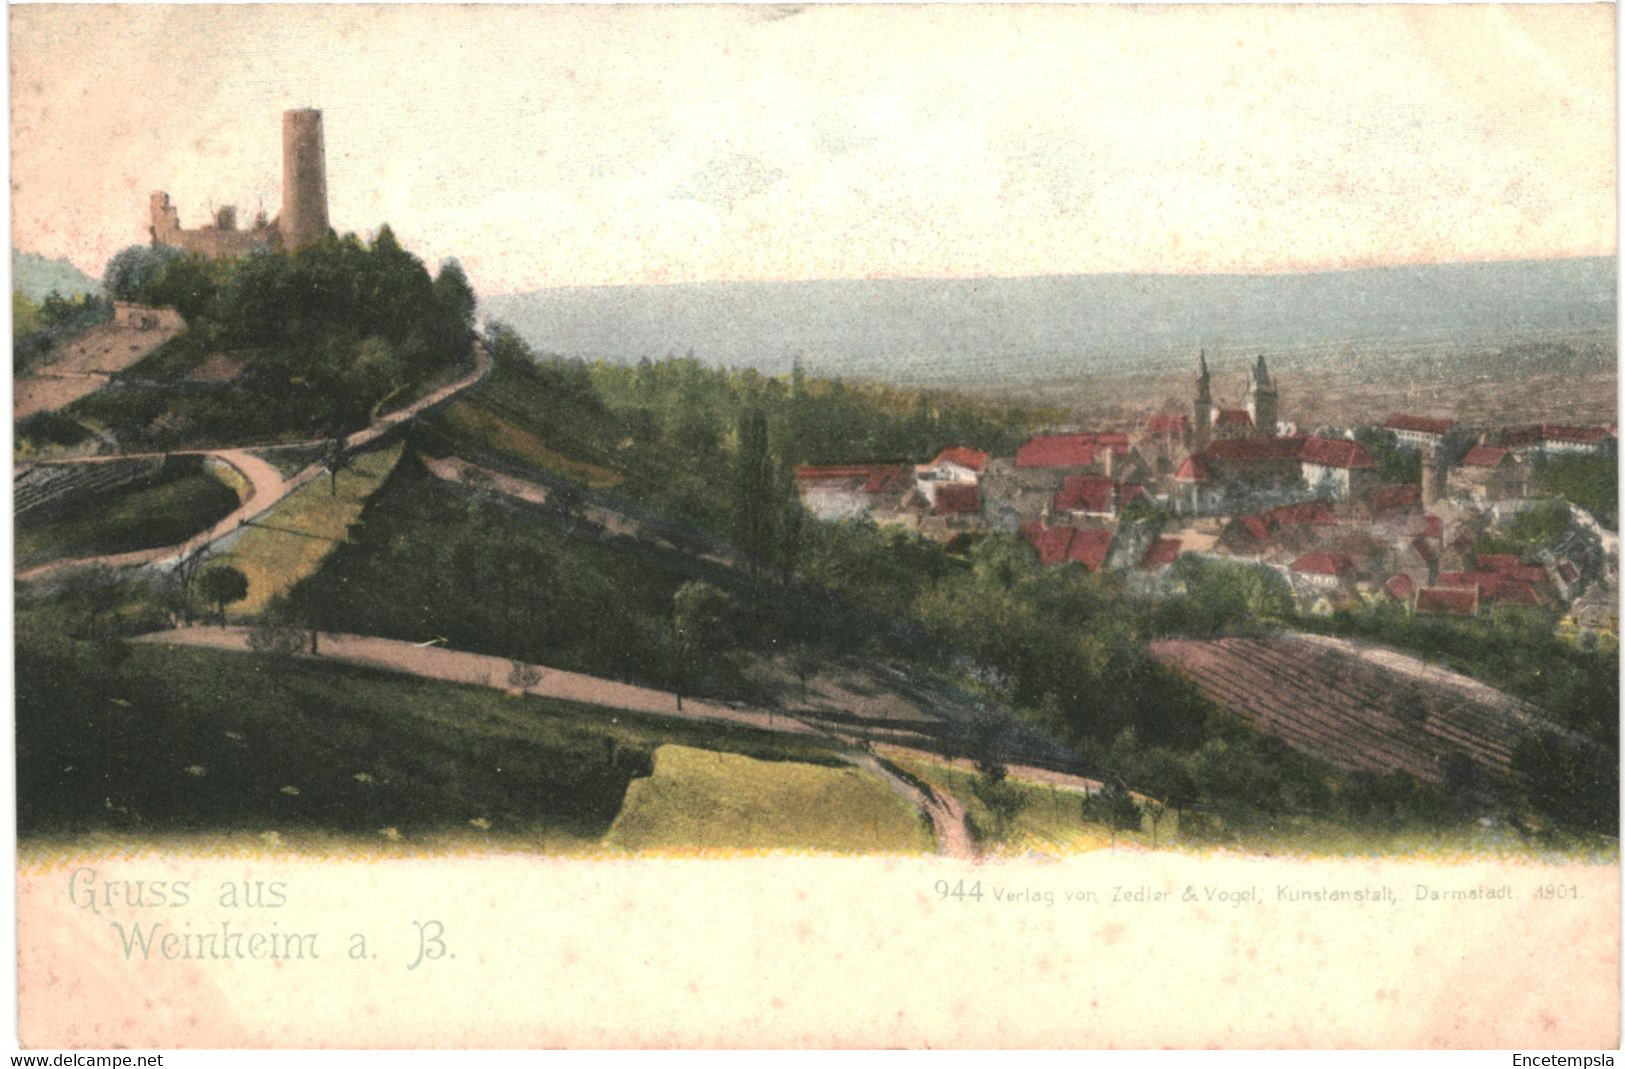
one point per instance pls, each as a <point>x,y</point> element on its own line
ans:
<point>1202,424</point>
<point>304,179</point>
<point>1263,403</point>
<point>1430,475</point>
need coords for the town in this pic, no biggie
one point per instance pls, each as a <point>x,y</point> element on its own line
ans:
<point>1242,484</point>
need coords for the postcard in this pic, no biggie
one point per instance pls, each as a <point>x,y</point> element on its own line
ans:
<point>999,526</point>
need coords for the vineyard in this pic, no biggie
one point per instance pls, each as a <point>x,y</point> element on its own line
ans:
<point>1358,708</point>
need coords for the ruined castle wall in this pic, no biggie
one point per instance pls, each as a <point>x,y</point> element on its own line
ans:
<point>214,243</point>
<point>304,202</point>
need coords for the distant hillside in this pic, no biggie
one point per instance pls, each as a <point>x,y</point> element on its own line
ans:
<point>1024,329</point>
<point>36,277</point>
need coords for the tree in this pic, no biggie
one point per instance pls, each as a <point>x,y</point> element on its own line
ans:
<point>754,487</point>
<point>178,593</point>
<point>1396,463</point>
<point>455,304</point>
<point>336,460</point>
<point>133,269</point>
<point>701,625</point>
<point>1000,561</point>
<point>1001,798</point>
<point>1572,782</point>
<point>276,636</point>
<point>522,676</point>
<point>223,584</point>
<point>94,593</point>
<point>1113,807</point>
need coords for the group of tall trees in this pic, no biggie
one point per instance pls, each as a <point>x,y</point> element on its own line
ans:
<point>323,335</point>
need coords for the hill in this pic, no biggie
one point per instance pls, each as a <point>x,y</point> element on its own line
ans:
<point>36,278</point>
<point>1022,329</point>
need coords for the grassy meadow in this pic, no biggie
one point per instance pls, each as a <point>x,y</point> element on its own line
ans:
<point>292,539</point>
<point>699,800</point>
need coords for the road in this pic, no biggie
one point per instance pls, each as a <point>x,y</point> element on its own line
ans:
<point>458,666</point>
<point>267,487</point>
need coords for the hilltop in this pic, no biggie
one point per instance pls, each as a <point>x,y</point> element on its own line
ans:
<point>36,278</point>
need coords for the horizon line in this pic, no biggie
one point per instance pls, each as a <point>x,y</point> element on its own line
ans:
<point>1344,268</point>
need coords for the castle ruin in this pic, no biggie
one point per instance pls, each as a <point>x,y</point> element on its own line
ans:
<point>302,221</point>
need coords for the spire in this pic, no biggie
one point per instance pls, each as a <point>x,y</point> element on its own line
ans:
<point>1261,373</point>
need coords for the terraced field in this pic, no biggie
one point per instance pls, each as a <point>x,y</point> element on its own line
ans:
<point>1358,708</point>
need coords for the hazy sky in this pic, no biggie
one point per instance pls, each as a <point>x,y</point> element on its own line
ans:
<point>552,146</point>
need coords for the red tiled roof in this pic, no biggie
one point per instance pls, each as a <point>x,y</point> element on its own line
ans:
<point>1085,493</point>
<point>1255,449</point>
<point>1398,421</point>
<point>1303,514</point>
<point>1193,469</point>
<point>1168,423</point>
<point>1127,492</point>
<point>1567,571</point>
<point>1517,594</point>
<point>964,456</point>
<point>1255,525</point>
<point>1233,417</point>
<point>1434,528</point>
<point>1335,453</point>
<point>1498,562</point>
<point>955,498</point>
<point>1400,586</point>
<point>866,478</point>
<point>884,481</point>
<point>1162,552</point>
<point>1455,602</point>
<point>1483,456</point>
<point>832,472</point>
<point>1337,564</point>
<point>1554,432</point>
<point>1060,545</point>
<point>1051,543</point>
<point>1089,547</point>
<point>1519,583</point>
<point>1403,497</point>
<point>1057,451</point>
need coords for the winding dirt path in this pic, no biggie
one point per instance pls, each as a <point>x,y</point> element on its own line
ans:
<point>267,487</point>
<point>944,813</point>
<point>459,666</point>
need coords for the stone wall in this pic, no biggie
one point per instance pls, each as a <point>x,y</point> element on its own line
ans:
<point>210,241</point>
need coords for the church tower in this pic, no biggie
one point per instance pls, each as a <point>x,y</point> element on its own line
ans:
<point>1263,403</point>
<point>1202,425</point>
